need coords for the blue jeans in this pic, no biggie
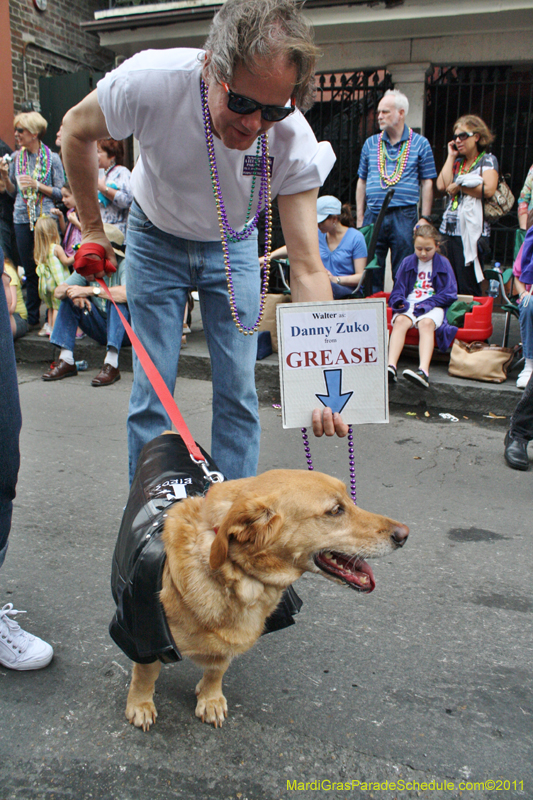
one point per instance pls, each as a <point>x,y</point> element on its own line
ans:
<point>161,268</point>
<point>10,423</point>
<point>106,331</point>
<point>526,328</point>
<point>396,235</point>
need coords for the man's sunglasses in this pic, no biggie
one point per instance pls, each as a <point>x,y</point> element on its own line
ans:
<point>245,105</point>
<point>463,136</point>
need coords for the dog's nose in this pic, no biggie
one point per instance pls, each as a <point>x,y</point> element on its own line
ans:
<point>399,535</point>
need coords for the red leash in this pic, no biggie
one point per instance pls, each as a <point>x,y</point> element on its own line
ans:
<point>84,265</point>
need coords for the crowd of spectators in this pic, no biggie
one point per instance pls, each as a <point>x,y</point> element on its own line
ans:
<point>40,232</point>
<point>33,185</point>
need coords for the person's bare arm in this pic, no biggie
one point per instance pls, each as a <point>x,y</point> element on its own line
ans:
<point>281,252</point>
<point>27,181</point>
<point>67,261</point>
<point>12,303</point>
<point>73,291</point>
<point>83,125</point>
<point>80,296</point>
<point>520,288</point>
<point>60,292</point>
<point>360,195</point>
<point>446,174</point>
<point>309,280</point>
<point>5,181</point>
<point>118,293</point>
<point>426,198</point>
<point>56,212</point>
<point>73,219</point>
<point>10,292</point>
<point>354,280</point>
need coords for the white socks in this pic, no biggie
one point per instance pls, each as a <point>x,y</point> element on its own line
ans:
<point>112,357</point>
<point>67,356</point>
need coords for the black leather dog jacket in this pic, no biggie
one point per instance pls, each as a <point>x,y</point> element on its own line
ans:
<point>165,474</point>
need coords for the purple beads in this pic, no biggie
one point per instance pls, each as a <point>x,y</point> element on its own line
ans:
<point>351,459</point>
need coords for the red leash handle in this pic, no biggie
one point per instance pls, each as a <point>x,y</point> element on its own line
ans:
<point>86,265</point>
<point>152,373</point>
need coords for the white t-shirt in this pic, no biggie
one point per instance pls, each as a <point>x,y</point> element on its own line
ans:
<point>423,287</point>
<point>156,96</point>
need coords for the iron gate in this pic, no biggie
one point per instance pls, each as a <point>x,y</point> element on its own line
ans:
<point>344,114</point>
<point>503,97</point>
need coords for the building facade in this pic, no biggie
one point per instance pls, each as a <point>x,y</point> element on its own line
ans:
<point>44,39</point>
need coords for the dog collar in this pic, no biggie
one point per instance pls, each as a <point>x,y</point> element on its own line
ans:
<point>216,531</point>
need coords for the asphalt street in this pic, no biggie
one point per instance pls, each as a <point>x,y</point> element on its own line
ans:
<point>427,679</point>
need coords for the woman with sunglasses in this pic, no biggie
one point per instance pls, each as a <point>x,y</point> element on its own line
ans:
<point>34,178</point>
<point>469,172</point>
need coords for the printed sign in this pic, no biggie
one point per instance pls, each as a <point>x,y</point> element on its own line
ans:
<point>333,354</point>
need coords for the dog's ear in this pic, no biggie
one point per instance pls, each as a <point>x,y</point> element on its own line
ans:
<point>219,551</point>
<point>250,519</point>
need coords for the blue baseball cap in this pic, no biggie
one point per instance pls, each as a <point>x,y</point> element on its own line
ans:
<point>326,205</point>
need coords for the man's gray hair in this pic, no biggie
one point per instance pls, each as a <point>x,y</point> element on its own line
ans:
<point>400,99</point>
<point>245,31</point>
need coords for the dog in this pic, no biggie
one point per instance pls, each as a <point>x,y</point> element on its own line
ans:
<point>230,556</point>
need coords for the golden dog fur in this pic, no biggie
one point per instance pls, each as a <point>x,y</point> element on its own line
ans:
<point>220,587</point>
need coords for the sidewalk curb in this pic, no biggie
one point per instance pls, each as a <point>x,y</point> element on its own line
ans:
<point>446,394</point>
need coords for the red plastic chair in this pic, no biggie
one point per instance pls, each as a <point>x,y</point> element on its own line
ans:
<point>477,325</point>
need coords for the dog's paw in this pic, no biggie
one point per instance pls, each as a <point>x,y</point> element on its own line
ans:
<point>212,710</point>
<point>142,715</point>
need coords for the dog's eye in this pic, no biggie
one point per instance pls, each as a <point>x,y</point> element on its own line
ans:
<point>336,510</point>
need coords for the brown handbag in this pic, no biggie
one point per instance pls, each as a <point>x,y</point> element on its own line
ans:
<point>480,361</point>
<point>500,203</point>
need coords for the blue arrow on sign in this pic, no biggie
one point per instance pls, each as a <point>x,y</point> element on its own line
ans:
<point>334,399</point>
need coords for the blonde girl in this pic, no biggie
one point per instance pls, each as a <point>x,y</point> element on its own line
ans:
<point>52,267</point>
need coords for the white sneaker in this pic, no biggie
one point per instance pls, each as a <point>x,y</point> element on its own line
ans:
<point>523,378</point>
<point>19,649</point>
<point>46,330</point>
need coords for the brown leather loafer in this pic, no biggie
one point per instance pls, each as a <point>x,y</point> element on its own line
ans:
<point>59,370</point>
<point>106,376</point>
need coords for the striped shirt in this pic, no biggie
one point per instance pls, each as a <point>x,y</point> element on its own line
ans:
<point>420,166</point>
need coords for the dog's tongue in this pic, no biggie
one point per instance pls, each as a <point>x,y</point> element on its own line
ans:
<point>360,573</point>
<point>354,571</point>
<point>364,569</point>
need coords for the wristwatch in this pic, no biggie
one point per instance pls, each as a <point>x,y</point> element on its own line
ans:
<point>338,279</point>
<point>97,290</point>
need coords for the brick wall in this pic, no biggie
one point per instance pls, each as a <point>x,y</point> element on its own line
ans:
<point>58,30</point>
